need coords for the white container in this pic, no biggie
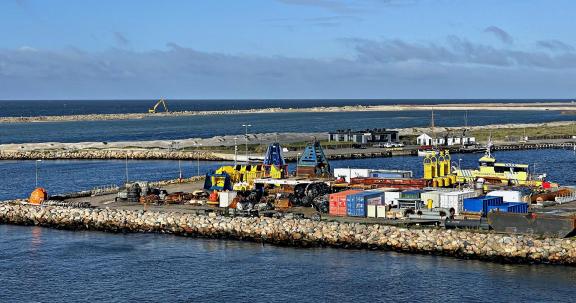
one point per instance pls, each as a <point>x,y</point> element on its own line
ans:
<point>507,195</point>
<point>372,210</point>
<point>431,196</point>
<point>348,173</point>
<point>380,211</point>
<point>226,198</point>
<point>391,197</point>
<point>455,200</point>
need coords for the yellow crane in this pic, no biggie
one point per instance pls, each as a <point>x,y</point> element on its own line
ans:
<point>161,101</point>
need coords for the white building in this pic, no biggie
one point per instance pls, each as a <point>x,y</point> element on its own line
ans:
<point>444,139</point>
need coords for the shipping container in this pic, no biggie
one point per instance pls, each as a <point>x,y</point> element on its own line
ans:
<point>377,199</point>
<point>391,198</point>
<point>226,198</point>
<point>391,174</point>
<point>337,202</point>
<point>480,204</point>
<point>348,173</point>
<point>356,204</point>
<point>411,194</point>
<point>510,207</point>
<point>507,195</point>
<point>455,200</point>
<point>518,207</point>
<point>502,207</point>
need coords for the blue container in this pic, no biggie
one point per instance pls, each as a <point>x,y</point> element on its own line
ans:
<point>481,204</point>
<point>517,207</point>
<point>501,208</point>
<point>473,204</point>
<point>356,204</point>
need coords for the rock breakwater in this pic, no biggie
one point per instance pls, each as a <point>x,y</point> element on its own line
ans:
<point>107,155</point>
<point>301,232</point>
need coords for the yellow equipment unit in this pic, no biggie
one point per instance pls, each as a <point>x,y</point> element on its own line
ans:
<point>437,168</point>
<point>153,110</point>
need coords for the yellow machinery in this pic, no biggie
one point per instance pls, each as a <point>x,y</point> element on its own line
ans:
<point>438,169</point>
<point>154,109</point>
<point>243,176</point>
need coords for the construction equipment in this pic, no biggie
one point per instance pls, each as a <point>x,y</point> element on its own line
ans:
<point>313,161</point>
<point>153,110</point>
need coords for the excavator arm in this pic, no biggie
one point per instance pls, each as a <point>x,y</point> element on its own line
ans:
<point>161,101</point>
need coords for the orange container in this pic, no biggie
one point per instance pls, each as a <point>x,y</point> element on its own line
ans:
<point>337,202</point>
<point>38,196</point>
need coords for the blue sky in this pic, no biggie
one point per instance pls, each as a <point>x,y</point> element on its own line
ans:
<point>64,49</point>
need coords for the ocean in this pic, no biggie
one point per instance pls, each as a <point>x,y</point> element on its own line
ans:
<point>183,127</point>
<point>48,265</point>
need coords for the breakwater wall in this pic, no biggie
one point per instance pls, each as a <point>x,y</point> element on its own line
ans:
<point>301,232</point>
<point>108,155</point>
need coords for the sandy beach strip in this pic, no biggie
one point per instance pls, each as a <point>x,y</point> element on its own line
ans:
<point>568,107</point>
<point>256,138</point>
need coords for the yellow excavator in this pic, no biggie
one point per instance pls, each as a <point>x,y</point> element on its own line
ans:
<point>161,101</point>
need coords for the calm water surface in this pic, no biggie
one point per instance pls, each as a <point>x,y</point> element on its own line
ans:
<point>46,265</point>
<point>172,128</point>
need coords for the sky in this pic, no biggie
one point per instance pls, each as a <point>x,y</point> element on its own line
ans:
<point>286,49</point>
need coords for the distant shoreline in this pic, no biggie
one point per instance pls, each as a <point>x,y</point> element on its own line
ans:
<point>499,106</point>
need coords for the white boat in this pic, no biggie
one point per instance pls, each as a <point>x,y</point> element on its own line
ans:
<point>426,152</point>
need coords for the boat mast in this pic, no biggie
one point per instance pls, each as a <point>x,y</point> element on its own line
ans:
<point>433,130</point>
<point>489,146</point>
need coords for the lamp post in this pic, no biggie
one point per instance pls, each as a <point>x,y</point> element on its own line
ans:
<point>297,161</point>
<point>235,151</point>
<point>36,164</point>
<point>246,137</point>
<point>460,164</point>
<point>197,145</point>
<point>175,146</point>
<point>126,167</point>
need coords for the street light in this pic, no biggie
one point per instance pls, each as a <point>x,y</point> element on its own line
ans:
<point>197,145</point>
<point>175,146</point>
<point>36,163</point>
<point>235,151</point>
<point>297,161</point>
<point>460,164</point>
<point>126,167</point>
<point>246,137</point>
